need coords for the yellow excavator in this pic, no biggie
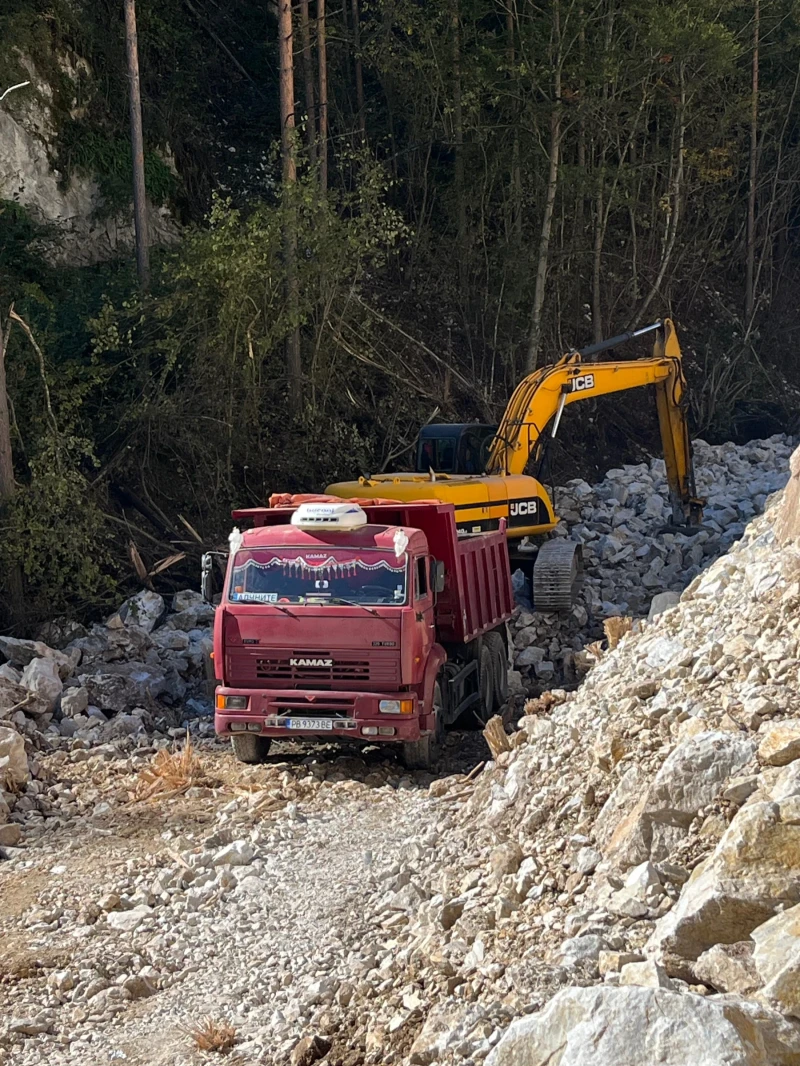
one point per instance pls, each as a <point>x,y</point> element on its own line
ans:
<point>482,469</point>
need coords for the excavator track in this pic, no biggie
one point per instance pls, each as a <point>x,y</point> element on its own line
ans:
<point>556,575</point>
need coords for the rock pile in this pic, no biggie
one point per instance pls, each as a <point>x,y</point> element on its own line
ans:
<point>642,834</point>
<point>628,560</point>
<point>140,675</point>
<point>620,886</point>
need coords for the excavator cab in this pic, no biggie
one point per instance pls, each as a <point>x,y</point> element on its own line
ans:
<point>449,448</point>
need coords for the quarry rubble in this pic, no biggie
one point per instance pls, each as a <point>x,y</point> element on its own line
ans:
<point>625,872</point>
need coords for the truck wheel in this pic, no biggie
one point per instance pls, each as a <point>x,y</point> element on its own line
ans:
<point>486,681</point>
<point>417,753</point>
<point>497,647</point>
<point>250,747</point>
<point>423,754</point>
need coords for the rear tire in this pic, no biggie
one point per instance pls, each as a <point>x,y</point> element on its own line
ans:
<point>250,747</point>
<point>423,754</point>
<point>486,676</point>
<point>497,647</point>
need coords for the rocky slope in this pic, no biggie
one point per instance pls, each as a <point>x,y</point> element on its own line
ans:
<point>620,886</point>
<point>628,559</point>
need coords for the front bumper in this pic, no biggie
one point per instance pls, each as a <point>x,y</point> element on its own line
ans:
<point>350,714</point>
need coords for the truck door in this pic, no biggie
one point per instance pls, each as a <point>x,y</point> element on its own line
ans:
<point>423,606</point>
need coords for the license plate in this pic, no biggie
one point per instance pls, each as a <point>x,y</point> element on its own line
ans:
<point>309,723</point>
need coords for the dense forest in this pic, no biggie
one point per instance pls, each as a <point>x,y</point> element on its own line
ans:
<point>389,211</point>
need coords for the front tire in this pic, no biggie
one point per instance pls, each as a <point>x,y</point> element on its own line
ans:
<point>250,747</point>
<point>423,754</point>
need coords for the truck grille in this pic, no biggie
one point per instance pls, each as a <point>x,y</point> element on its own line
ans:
<point>251,666</point>
<point>282,669</point>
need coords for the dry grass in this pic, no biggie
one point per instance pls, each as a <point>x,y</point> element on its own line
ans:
<point>496,736</point>
<point>540,704</point>
<point>172,772</point>
<point>616,628</point>
<point>595,649</point>
<point>211,1035</point>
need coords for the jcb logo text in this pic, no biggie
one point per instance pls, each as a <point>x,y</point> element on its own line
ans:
<point>523,507</point>
<point>584,382</point>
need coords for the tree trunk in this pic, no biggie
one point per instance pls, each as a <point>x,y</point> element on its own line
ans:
<point>597,259</point>
<point>7,483</point>
<point>458,142</point>
<point>750,295</point>
<point>137,147</point>
<point>286,87</point>
<point>516,170</point>
<point>535,335</point>
<point>322,56</point>
<point>676,202</point>
<point>362,119</point>
<point>308,78</point>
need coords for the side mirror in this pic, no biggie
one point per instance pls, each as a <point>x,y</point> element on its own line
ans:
<point>437,575</point>
<point>206,577</point>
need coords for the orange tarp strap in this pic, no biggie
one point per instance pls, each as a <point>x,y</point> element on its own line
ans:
<point>288,499</point>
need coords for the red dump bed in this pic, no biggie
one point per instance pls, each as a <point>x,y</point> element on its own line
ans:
<point>477,595</point>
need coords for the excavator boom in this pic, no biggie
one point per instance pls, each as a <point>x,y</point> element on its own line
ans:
<point>542,396</point>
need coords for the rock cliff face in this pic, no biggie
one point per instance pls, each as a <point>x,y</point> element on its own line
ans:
<point>83,231</point>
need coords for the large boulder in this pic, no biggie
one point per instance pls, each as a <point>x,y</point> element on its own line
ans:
<point>787,519</point>
<point>186,598</point>
<point>200,614</point>
<point>446,1025</point>
<point>690,778</point>
<point>753,870</point>
<point>729,968</point>
<point>634,1026</point>
<point>777,958</point>
<point>41,677</point>
<point>780,743</point>
<point>143,610</point>
<point>74,701</point>
<point>104,645</point>
<point>122,686</point>
<point>14,771</point>
<point>15,697</point>
<point>23,652</point>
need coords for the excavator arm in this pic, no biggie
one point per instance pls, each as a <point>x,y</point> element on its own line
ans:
<point>542,396</point>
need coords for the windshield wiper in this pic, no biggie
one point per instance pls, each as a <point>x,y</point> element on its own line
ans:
<point>352,603</point>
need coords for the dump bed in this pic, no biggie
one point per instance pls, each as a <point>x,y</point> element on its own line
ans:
<point>477,595</point>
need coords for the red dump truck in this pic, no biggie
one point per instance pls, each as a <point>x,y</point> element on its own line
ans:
<point>374,622</point>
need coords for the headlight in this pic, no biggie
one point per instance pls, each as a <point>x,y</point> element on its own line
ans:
<point>231,703</point>
<point>396,706</point>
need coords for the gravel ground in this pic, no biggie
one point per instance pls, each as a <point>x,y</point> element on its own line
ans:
<point>258,902</point>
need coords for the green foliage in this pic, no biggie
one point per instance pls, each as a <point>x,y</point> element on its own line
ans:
<point>56,532</point>
<point>89,151</point>
<point>183,393</point>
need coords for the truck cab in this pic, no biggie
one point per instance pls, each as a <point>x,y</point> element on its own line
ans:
<point>332,624</point>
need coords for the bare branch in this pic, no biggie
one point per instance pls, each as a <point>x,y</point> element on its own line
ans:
<point>11,88</point>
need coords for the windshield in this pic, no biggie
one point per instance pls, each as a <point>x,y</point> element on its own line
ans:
<point>334,575</point>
